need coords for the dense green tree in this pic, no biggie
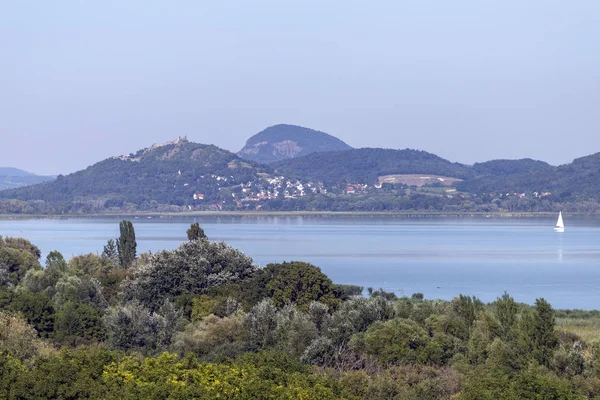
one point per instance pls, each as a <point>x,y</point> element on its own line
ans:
<point>195,232</point>
<point>506,313</point>
<point>300,283</point>
<point>132,326</point>
<point>18,339</point>
<point>126,244</point>
<point>56,260</point>
<point>21,244</point>
<point>91,265</point>
<point>544,334</point>
<point>527,385</point>
<point>295,330</point>
<point>14,264</point>
<point>465,311</point>
<point>37,309</point>
<point>261,322</point>
<point>71,374</point>
<point>11,371</point>
<point>397,341</point>
<point>78,323</point>
<point>79,289</point>
<point>110,252</point>
<point>194,267</point>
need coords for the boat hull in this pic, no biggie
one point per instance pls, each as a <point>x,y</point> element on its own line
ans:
<point>559,229</point>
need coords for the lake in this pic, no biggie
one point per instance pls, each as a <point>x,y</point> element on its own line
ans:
<point>438,257</point>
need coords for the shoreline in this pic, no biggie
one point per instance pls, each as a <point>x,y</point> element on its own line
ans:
<point>296,214</point>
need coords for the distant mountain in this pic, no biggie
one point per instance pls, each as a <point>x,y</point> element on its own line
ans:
<point>169,173</point>
<point>14,178</point>
<point>181,175</point>
<point>282,142</point>
<point>367,164</point>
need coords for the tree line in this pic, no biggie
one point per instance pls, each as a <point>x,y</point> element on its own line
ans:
<point>202,321</point>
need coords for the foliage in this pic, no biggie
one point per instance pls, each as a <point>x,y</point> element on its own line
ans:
<point>110,253</point>
<point>126,244</point>
<point>37,309</point>
<point>167,377</point>
<point>213,338</point>
<point>14,264</point>
<point>78,323</point>
<point>194,267</point>
<point>299,283</point>
<point>346,291</point>
<point>544,334</point>
<point>284,331</point>
<point>132,326</point>
<point>21,244</point>
<point>398,341</point>
<point>195,232</point>
<point>19,340</point>
<point>531,384</point>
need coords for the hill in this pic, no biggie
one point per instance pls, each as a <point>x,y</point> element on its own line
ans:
<point>581,177</point>
<point>163,174</point>
<point>281,142</point>
<point>14,178</point>
<point>368,164</point>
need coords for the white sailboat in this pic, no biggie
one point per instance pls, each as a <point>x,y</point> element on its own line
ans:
<point>560,226</point>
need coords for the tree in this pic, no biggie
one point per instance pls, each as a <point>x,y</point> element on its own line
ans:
<point>506,313</point>
<point>14,264</point>
<point>544,335</point>
<point>193,268</point>
<point>195,232</point>
<point>126,244</point>
<point>78,323</point>
<point>110,252</point>
<point>18,339</point>
<point>56,260</point>
<point>132,326</point>
<point>395,341</point>
<point>37,309</point>
<point>21,244</point>
<point>300,283</point>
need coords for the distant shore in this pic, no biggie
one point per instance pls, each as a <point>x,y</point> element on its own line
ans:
<point>307,214</point>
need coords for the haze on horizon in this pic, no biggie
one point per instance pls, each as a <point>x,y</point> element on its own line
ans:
<point>467,80</point>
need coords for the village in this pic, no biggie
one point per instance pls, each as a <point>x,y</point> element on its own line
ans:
<point>253,194</point>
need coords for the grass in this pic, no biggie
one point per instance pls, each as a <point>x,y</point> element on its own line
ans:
<point>588,329</point>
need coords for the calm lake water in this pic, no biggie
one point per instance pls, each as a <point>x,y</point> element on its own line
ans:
<point>438,257</point>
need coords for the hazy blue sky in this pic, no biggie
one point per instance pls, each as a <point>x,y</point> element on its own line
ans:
<point>467,80</point>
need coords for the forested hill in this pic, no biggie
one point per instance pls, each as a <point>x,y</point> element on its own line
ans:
<point>288,141</point>
<point>367,164</point>
<point>13,178</point>
<point>581,177</point>
<point>169,173</point>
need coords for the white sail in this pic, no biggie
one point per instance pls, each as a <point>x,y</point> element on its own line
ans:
<point>560,226</point>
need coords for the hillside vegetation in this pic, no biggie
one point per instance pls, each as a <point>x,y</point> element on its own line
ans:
<point>162,174</point>
<point>366,165</point>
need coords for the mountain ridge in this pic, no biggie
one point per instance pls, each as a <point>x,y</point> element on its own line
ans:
<point>182,175</point>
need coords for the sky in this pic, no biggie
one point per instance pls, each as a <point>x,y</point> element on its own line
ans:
<point>470,81</point>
